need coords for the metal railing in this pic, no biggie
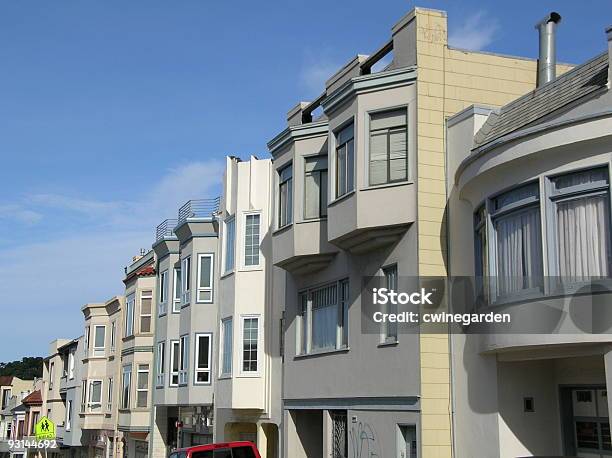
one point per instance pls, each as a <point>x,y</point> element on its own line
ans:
<point>165,229</point>
<point>201,208</point>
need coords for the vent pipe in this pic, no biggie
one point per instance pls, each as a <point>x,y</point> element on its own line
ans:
<point>547,59</point>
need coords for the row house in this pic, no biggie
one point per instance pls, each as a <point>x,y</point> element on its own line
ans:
<point>360,192</point>
<point>529,208</point>
<point>12,391</point>
<point>137,354</point>
<point>187,265</point>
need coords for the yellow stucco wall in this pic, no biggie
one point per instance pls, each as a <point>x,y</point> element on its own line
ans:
<point>449,80</point>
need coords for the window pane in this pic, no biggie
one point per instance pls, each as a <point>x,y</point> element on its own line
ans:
<point>203,348</point>
<point>527,192</point>
<point>249,342</point>
<point>350,166</point>
<point>177,284</point>
<point>227,347</point>
<point>205,269</point>
<point>230,238</point>
<point>378,157</point>
<point>583,234</point>
<point>519,251</point>
<point>398,154</point>
<point>100,337</point>
<point>251,243</point>
<point>391,284</point>
<point>388,119</point>
<point>145,324</point>
<point>593,176</point>
<point>324,199</point>
<point>344,135</point>
<point>145,306</point>
<point>311,196</point>
<point>143,380</point>
<point>324,317</point>
<point>176,356</point>
<point>341,171</point>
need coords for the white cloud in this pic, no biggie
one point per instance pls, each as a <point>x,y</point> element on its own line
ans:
<point>477,31</point>
<point>15,212</point>
<point>52,279</point>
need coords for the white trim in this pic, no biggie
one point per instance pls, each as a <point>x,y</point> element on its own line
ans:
<point>171,370</point>
<point>257,372</point>
<point>139,371</point>
<point>176,301</point>
<point>184,360</point>
<point>186,280</point>
<point>197,370</point>
<point>90,403</point>
<point>162,306</point>
<point>201,289</point>
<point>99,351</point>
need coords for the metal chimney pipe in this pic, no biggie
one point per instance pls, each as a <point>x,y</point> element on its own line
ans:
<point>547,59</point>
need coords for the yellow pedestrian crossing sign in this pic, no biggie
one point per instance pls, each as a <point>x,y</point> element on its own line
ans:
<point>44,429</point>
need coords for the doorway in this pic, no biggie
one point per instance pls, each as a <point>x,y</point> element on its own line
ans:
<point>406,441</point>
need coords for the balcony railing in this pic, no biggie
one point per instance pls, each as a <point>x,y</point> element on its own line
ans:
<point>165,229</point>
<point>201,208</point>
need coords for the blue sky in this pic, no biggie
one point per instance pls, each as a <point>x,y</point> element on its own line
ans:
<point>114,113</point>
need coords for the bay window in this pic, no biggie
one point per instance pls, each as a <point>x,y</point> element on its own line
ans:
<point>345,161</point>
<point>323,318</point>
<point>315,187</point>
<point>388,147</point>
<point>202,358</point>
<point>581,203</point>
<point>285,196</point>
<point>205,278</point>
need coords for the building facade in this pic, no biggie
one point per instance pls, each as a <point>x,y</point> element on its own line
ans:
<point>137,355</point>
<point>248,376</point>
<point>529,209</point>
<point>187,307</point>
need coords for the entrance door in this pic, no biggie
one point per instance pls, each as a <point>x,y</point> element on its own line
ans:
<point>406,441</point>
<point>590,422</point>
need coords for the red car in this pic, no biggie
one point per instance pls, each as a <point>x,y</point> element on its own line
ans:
<point>225,450</point>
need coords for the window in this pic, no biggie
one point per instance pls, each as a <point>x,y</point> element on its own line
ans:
<point>345,161</point>
<point>129,315</point>
<point>202,358</point>
<point>227,335</point>
<point>315,187</point>
<point>83,395</point>
<point>109,404</point>
<point>71,362</point>
<point>251,240</point>
<point>68,415</point>
<point>126,387</point>
<point>184,363</point>
<point>65,362</point>
<point>142,386</point>
<point>176,306</point>
<point>161,364</point>
<point>94,403</point>
<point>113,336</point>
<point>163,293</point>
<point>323,318</point>
<point>87,336</point>
<point>230,243</point>
<point>205,278</point>
<point>146,310</point>
<point>51,375</point>
<point>481,252</point>
<point>186,281</point>
<point>388,147</point>
<point>285,196</point>
<point>582,218</point>
<point>515,217</point>
<point>389,333</point>
<point>175,361</point>
<point>250,344</point>
<point>99,340</point>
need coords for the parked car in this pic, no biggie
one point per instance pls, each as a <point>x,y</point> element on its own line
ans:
<point>224,450</point>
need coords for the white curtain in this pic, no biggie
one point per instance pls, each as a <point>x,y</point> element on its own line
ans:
<point>583,237</point>
<point>519,252</point>
<point>324,317</point>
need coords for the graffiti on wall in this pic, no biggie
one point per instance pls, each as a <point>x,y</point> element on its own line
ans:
<point>363,441</point>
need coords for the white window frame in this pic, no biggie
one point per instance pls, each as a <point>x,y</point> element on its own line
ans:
<point>172,360</point>
<point>226,351</point>
<point>83,395</point>
<point>71,364</point>
<point>160,364</point>
<point>205,289</point>
<point>99,352</point>
<point>140,370</point>
<point>288,206</point>
<point>368,144</point>
<point>113,336</point>
<point>146,294</point>
<point>162,308</point>
<point>186,268</point>
<point>244,234</point>
<point>337,192</point>
<point>109,401</point>
<point>199,370</point>
<point>130,305</point>
<point>184,360</point>
<point>90,403</point>
<point>229,245</point>
<point>243,318</point>
<point>126,398</point>
<point>69,415</point>
<point>176,290</point>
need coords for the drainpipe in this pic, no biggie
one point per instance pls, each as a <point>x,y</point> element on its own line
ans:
<point>547,59</point>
